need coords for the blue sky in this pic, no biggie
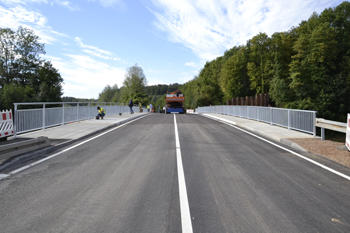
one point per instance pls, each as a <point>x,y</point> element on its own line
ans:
<point>93,42</point>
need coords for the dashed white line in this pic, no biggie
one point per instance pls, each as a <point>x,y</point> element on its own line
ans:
<point>186,222</point>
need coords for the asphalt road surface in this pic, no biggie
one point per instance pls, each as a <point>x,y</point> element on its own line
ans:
<point>129,180</point>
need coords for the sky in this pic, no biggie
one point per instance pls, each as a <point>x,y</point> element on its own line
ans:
<point>93,42</point>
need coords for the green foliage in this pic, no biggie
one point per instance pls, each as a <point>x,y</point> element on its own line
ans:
<point>109,94</point>
<point>307,67</point>
<point>140,98</point>
<point>161,102</point>
<point>15,93</point>
<point>24,76</point>
<point>134,82</point>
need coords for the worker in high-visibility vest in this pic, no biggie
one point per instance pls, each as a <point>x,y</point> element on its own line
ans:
<point>148,108</point>
<point>101,112</point>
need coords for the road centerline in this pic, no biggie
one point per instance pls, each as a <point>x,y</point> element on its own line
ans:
<point>186,222</point>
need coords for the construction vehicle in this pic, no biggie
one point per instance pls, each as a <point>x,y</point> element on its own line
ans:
<point>174,102</point>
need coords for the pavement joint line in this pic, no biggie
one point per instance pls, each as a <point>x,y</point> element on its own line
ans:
<point>186,222</point>
<point>2,176</point>
<point>290,151</point>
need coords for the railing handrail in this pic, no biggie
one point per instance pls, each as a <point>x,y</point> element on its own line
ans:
<point>290,118</point>
<point>27,120</point>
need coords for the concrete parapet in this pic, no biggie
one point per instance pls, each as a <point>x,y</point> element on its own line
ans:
<point>14,149</point>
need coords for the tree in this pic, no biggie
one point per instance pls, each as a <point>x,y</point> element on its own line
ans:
<point>134,82</point>
<point>47,84</point>
<point>314,62</point>
<point>234,80</point>
<point>7,56</point>
<point>24,76</point>
<point>260,66</point>
<point>108,94</point>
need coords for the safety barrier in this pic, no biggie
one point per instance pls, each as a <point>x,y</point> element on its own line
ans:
<point>27,120</point>
<point>347,142</point>
<point>6,123</point>
<point>300,120</point>
<point>331,125</point>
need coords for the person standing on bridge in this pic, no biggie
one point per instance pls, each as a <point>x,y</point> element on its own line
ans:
<point>130,105</point>
<point>101,112</point>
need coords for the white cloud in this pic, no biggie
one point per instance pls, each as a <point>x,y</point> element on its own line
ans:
<point>13,17</point>
<point>97,52</point>
<point>85,77</point>
<point>95,49</point>
<point>209,27</point>
<point>112,3</point>
<point>66,4</point>
<point>195,65</point>
<point>23,2</point>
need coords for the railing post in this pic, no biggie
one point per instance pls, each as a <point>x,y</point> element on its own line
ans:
<point>16,121</point>
<point>43,116</point>
<point>89,110</point>
<point>288,119</point>
<point>63,114</point>
<point>77,112</point>
<point>271,117</point>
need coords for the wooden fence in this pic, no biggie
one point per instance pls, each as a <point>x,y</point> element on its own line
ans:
<point>258,100</point>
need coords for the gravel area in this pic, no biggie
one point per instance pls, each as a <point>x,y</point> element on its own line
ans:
<point>335,151</point>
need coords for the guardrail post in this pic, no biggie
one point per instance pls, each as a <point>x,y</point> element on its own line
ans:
<point>43,116</point>
<point>323,136</point>
<point>314,124</point>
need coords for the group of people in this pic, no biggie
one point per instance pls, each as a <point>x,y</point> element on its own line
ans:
<point>102,113</point>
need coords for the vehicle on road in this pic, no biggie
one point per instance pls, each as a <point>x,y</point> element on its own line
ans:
<point>174,102</point>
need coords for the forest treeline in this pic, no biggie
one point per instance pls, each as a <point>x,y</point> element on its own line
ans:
<point>307,67</point>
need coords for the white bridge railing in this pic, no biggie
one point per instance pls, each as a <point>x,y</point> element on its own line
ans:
<point>49,114</point>
<point>300,120</point>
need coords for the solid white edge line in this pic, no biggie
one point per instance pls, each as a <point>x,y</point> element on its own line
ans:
<point>281,147</point>
<point>65,150</point>
<point>186,222</point>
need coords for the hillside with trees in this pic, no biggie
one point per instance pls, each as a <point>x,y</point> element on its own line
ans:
<point>307,67</point>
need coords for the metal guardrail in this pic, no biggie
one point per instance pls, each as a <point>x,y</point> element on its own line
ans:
<point>332,125</point>
<point>300,120</point>
<point>27,120</point>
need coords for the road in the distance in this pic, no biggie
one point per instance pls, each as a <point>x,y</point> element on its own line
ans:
<point>127,181</point>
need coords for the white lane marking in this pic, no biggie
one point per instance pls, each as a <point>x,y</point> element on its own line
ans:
<point>2,176</point>
<point>184,206</point>
<point>65,150</point>
<point>290,151</point>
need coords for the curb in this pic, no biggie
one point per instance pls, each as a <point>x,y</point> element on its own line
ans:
<point>22,158</point>
<point>281,140</point>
